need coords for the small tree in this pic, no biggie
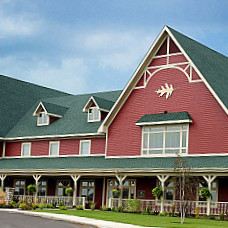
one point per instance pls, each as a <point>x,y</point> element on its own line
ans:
<point>184,184</point>
<point>68,191</point>
<point>116,193</point>
<point>31,189</point>
<point>157,192</point>
<point>205,193</point>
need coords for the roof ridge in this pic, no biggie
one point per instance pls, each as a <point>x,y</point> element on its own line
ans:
<point>197,42</point>
<point>31,83</point>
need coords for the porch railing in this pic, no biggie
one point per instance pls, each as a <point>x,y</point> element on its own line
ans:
<point>55,200</point>
<point>174,205</point>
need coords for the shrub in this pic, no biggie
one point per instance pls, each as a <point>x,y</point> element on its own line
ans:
<point>197,212</point>
<point>49,205</point>
<point>35,205</point>
<point>157,192</point>
<point>104,208</point>
<point>92,206</point>
<point>119,209</point>
<point>79,208</point>
<point>63,208</point>
<point>212,217</point>
<point>24,206</point>
<point>31,189</point>
<point>133,205</point>
<point>113,209</point>
<point>205,193</point>
<point>163,214</point>
<point>116,193</point>
<point>14,204</point>
<point>148,210</point>
<point>68,191</point>
<point>41,206</point>
<point>173,209</point>
<point>61,204</point>
<point>221,216</point>
<point>156,212</point>
<point>170,214</point>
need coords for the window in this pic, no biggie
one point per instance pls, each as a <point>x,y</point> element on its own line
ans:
<point>42,188</point>
<point>214,190</point>
<point>88,190</point>
<point>85,146</point>
<point>19,187</point>
<point>25,149</point>
<point>42,119</point>
<point>170,139</point>
<point>94,114</point>
<point>129,188</point>
<point>54,148</point>
<point>62,185</point>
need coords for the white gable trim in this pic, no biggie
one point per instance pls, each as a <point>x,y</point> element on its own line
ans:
<point>38,106</point>
<point>125,93</point>
<point>86,107</point>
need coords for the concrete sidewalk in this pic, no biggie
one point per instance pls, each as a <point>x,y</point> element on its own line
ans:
<point>75,219</point>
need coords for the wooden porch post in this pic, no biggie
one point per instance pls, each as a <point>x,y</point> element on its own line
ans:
<point>36,178</point>
<point>209,179</point>
<point>75,179</point>
<point>162,179</point>
<point>2,177</point>
<point>121,180</point>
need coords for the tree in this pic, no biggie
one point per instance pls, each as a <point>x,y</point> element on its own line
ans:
<point>185,185</point>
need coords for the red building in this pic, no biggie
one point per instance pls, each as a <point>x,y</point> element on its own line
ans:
<point>175,105</point>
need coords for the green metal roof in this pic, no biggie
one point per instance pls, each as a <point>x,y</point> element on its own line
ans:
<point>73,122</point>
<point>110,163</point>
<point>164,117</point>
<point>17,97</point>
<point>212,65</point>
<point>103,103</point>
<point>54,109</point>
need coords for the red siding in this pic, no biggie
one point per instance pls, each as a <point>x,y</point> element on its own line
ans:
<point>40,148</point>
<point>1,147</point>
<point>13,149</point>
<point>145,184</point>
<point>98,146</point>
<point>207,134</point>
<point>223,190</point>
<point>98,192</point>
<point>69,146</point>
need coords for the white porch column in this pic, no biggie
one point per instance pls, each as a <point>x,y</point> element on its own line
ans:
<point>121,179</point>
<point>209,179</point>
<point>2,177</point>
<point>162,179</point>
<point>36,178</point>
<point>75,178</point>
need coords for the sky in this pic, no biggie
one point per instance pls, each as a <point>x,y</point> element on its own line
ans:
<point>96,45</point>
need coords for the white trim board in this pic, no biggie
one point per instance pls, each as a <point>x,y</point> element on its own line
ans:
<point>164,122</point>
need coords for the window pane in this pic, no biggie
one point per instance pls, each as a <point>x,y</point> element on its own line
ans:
<point>54,148</point>
<point>172,151</point>
<point>60,191</point>
<point>144,152</point>
<point>145,141</point>
<point>91,184</point>
<point>184,127</point>
<point>90,194</point>
<point>126,183</point>
<point>156,140</point>
<point>172,139</point>
<point>183,151</point>
<point>213,193</point>
<point>145,129</point>
<point>157,129</point>
<point>213,184</point>
<point>125,193</point>
<point>155,151</point>
<point>169,194</point>
<point>173,128</point>
<point>84,183</point>
<point>25,149</point>
<point>184,138</point>
<point>132,196</point>
<point>96,114</point>
<point>85,148</point>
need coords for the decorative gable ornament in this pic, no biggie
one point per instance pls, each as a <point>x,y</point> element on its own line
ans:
<point>168,90</point>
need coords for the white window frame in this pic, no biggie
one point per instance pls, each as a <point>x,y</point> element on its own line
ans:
<point>164,133</point>
<point>94,120</point>
<point>20,186</point>
<point>40,186</point>
<point>22,146</point>
<point>53,142</point>
<point>88,187</point>
<point>80,147</point>
<point>43,124</point>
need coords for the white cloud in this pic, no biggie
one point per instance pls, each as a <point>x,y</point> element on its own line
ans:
<point>70,75</point>
<point>17,23</point>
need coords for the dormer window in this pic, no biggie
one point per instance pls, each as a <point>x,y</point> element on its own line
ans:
<point>94,114</point>
<point>43,119</point>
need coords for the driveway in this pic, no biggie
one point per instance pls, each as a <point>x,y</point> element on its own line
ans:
<point>13,220</point>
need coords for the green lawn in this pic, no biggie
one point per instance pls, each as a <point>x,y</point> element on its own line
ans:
<point>142,220</point>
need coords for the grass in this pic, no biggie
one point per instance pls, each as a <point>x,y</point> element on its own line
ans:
<point>142,220</point>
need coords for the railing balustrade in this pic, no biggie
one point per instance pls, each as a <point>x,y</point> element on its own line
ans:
<point>174,206</point>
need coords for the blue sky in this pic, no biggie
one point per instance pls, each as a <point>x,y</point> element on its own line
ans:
<point>96,45</point>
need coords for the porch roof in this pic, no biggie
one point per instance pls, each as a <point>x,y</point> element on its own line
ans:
<point>100,162</point>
